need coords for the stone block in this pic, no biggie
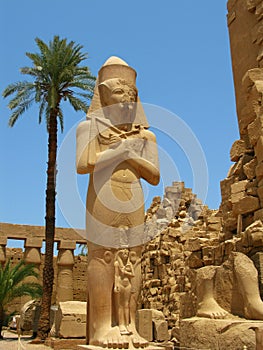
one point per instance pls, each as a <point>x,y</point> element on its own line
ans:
<point>219,253</point>
<point>160,326</point>
<point>236,197</point>
<point>70,319</point>
<point>247,116</point>
<point>225,186</point>
<point>237,150</point>
<point>259,149</point>
<point>33,242</point>
<point>201,333</point>
<point>239,186</point>
<point>255,130</point>
<point>144,324</point>
<point>160,330</point>
<point>246,205</point>
<point>257,239</point>
<point>194,260</point>
<point>64,244</point>
<point>3,240</point>
<point>254,74</point>
<point>260,195</point>
<point>29,315</point>
<point>151,325</point>
<point>193,244</point>
<point>208,255</point>
<point>259,171</point>
<point>253,235</point>
<point>250,169</point>
<point>258,215</point>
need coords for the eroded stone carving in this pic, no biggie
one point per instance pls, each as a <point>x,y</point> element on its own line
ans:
<point>115,147</point>
<point>243,286</point>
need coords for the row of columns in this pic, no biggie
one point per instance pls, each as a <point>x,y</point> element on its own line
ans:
<point>65,263</point>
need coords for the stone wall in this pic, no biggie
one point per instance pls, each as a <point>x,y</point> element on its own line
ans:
<point>185,236</point>
<point>242,190</point>
<point>69,270</point>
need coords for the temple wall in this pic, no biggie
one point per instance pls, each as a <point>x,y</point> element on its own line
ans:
<point>69,270</point>
<point>242,190</point>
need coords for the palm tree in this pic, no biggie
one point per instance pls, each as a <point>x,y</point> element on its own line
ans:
<point>57,76</point>
<point>12,285</point>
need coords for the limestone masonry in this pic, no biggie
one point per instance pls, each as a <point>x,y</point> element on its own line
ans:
<point>202,269</point>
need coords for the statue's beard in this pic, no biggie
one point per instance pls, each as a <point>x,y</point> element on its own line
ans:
<point>121,113</point>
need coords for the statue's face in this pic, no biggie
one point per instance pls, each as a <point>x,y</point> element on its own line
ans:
<point>117,91</point>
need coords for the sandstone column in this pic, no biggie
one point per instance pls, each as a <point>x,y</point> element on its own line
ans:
<point>32,254</point>
<point>3,242</point>
<point>65,264</point>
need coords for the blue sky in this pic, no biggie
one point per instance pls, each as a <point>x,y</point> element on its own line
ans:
<point>180,50</point>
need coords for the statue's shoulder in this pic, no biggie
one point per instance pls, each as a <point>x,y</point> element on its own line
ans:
<point>149,135</point>
<point>84,125</point>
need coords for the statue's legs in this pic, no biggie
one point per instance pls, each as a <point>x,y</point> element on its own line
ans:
<point>247,278</point>
<point>100,283</point>
<point>124,309</point>
<point>207,306</point>
<point>137,340</point>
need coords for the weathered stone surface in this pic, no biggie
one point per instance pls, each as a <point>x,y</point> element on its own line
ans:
<point>259,149</point>
<point>245,205</point>
<point>255,130</point>
<point>237,150</point>
<point>250,169</point>
<point>144,323</point>
<point>200,333</point>
<point>236,197</point>
<point>93,347</point>
<point>29,315</point>
<point>259,171</point>
<point>194,260</point>
<point>258,215</point>
<point>70,319</point>
<point>253,235</point>
<point>193,244</point>
<point>160,326</point>
<point>260,195</point>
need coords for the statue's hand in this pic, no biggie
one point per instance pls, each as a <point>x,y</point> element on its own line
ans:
<point>136,145</point>
<point>121,146</point>
<point>115,139</point>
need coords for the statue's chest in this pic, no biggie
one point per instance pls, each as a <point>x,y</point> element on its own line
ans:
<point>110,136</point>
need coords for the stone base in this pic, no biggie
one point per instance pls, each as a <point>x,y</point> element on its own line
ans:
<point>92,347</point>
<point>64,344</point>
<point>225,334</point>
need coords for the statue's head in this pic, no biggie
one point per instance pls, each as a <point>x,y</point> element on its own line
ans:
<point>116,93</point>
<point>117,90</point>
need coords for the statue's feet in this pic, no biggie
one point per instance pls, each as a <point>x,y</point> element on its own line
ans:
<point>112,340</point>
<point>124,330</point>
<point>210,309</point>
<point>254,310</point>
<point>137,340</point>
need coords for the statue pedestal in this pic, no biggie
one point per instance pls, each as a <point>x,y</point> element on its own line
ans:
<point>92,347</point>
<point>224,334</point>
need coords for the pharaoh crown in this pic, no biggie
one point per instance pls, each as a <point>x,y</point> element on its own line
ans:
<point>115,67</point>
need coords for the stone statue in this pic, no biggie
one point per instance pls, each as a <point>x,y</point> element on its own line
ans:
<point>244,297</point>
<point>116,148</point>
<point>122,287</point>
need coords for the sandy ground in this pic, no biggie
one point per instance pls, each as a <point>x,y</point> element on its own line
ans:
<point>11,342</point>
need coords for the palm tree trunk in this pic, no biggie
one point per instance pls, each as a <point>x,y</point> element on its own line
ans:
<point>48,271</point>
